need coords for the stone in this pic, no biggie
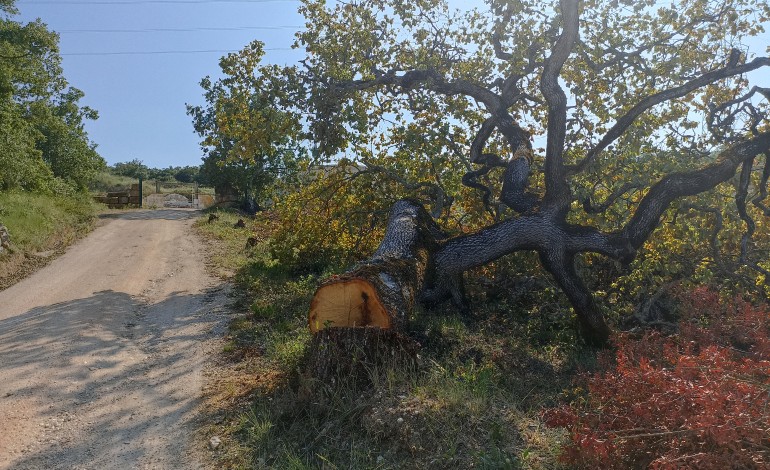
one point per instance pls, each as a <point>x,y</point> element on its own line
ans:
<point>214,443</point>
<point>5,238</point>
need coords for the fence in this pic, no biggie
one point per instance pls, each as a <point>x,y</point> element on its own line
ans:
<point>122,199</point>
<point>159,194</point>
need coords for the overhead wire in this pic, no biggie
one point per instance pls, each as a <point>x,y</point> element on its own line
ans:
<point>143,2</point>
<point>203,51</point>
<point>176,30</point>
<point>159,30</point>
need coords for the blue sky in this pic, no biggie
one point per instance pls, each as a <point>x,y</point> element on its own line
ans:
<point>124,54</point>
<point>141,97</point>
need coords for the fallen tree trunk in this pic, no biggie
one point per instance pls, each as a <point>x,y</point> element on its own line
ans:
<point>382,291</point>
<point>358,318</point>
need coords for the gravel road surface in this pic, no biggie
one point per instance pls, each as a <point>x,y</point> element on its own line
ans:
<point>102,351</point>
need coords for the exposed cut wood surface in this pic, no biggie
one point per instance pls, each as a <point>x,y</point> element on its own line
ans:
<point>347,303</point>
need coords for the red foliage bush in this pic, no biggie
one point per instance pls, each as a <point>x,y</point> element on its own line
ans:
<point>700,399</point>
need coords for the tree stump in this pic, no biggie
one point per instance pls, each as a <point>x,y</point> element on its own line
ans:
<point>357,357</point>
<point>360,317</point>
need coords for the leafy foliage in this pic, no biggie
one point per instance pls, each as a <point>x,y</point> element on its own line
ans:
<point>248,139</point>
<point>45,146</point>
<point>696,400</point>
<point>333,219</point>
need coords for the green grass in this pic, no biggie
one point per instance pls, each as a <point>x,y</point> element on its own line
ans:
<point>39,224</point>
<point>473,400</point>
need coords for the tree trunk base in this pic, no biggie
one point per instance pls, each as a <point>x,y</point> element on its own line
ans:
<point>359,356</point>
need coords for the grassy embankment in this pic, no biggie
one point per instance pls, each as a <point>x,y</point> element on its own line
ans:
<point>474,401</point>
<point>40,226</point>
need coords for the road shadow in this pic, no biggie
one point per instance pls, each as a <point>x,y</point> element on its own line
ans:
<point>153,214</point>
<point>104,373</point>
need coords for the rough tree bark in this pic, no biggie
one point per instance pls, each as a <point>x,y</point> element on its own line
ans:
<point>358,317</point>
<point>382,291</point>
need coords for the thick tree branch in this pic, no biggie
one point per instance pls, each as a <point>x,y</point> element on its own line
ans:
<point>514,193</point>
<point>480,141</point>
<point>516,177</point>
<point>413,79</point>
<point>557,190</point>
<point>592,325</point>
<point>528,232</point>
<point>759,200</point>
<point>741,193</point>
<point>625,121</point>
<point>740,200</point>
<point>677,185</point>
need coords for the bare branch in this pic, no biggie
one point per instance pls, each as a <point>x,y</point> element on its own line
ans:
<point>414,79</point>
<point>499,53</point>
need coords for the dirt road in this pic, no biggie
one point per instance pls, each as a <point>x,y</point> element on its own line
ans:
<point>102,351</point>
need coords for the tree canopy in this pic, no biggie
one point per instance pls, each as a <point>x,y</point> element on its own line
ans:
<point>570,128</point>
<point>248,139</point>
<point>45,141</point>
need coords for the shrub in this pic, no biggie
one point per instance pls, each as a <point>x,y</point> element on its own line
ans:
<point>696,400</point>
<point>335,219</point>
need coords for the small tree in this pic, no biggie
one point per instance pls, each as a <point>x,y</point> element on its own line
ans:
<point>248,140</point>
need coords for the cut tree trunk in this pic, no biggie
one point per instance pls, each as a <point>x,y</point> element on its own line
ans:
<point>358,318</point>
<point>382,291</point>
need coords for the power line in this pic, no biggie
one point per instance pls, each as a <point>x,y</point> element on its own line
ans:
<point>207,51</point>
<point>143,2</point>
<point>176,30</point>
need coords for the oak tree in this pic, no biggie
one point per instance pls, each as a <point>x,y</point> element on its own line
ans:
<point>551,109</point>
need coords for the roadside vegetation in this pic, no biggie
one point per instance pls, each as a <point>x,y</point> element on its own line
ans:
<point>510,386</point>
<point>474,398</point>
<point>47,160</point>
<point>41,226</point>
